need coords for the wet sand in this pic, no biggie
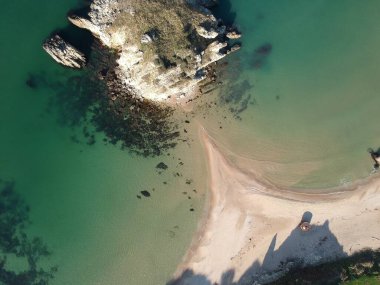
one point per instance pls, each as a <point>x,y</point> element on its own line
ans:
<point>250,230</point>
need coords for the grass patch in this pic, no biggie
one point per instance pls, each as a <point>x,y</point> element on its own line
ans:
<point>173,22</point>
<point>361,267</point>
<point>365,280</point>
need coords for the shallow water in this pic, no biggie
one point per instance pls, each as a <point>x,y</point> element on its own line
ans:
<point>314,90</point>
<point>83,197</point>
<point>309,121</point>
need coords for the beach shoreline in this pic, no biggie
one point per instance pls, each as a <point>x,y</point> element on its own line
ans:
<point>249,231</point>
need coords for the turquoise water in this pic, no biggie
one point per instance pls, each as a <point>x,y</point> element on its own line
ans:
<point>83,197</point>
<point>314,102</point>
<point>309,121</point>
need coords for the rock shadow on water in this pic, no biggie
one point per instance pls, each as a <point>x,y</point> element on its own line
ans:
<point>80,38</point>
<point>16,244</point>
<point>313,257</point>
<point>224,11</point>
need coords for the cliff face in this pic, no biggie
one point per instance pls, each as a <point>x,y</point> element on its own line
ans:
<point>163,45</point>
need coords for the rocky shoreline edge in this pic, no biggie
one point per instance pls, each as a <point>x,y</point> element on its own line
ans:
<point>163,51</point>
<point>146,59</point>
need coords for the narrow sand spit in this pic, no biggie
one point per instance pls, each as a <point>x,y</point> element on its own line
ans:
<point>250,230</point>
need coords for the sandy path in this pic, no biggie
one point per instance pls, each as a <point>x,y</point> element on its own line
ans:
<point>250,230</point>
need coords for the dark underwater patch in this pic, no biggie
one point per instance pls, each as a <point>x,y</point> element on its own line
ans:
<point>237,96</point>
<point>16,243</point>
<point>260,55</point>
<point>96,102</point>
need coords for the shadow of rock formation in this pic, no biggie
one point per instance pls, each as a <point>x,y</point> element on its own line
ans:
<point>299,250</point>
<point>224,11</point>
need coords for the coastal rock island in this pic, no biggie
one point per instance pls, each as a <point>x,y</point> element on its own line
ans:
<point>163,47</point>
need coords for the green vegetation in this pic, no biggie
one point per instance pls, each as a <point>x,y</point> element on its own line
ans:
<point>365,280</point>
<point>362,268</point>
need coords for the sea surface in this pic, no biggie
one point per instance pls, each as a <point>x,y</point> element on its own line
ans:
<point>83,196</point>
<point>309,71</point>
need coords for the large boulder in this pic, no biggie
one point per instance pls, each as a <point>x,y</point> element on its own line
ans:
<point>64,53</point>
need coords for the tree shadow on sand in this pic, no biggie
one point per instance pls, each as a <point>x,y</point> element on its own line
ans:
<point>299,251</point>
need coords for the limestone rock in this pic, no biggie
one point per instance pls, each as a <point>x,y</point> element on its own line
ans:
<point>158,60</point>
<point>210,33</point>
<point>233,34</point>
<point>213,53</point>
<point>64,53</point>
<point>234,48</point>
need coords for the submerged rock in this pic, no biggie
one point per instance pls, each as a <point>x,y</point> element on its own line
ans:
<point>145,193</point>
<point>64,53</point>
<point>162,166</point>
<point>162,48</point>
<point>234,48</point>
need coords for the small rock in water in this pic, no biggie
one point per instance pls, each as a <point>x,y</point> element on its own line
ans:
<point>233,34</point>
<point>138,196</point>
<point>145,193</point>
<point>162,166</point>
<point>192,210</point>
<point>64,53</point>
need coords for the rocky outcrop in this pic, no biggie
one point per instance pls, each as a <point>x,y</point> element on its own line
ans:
<point>64,53</point>
<point>233,34</point>
<point>213,53</point>
<point>164,46</point>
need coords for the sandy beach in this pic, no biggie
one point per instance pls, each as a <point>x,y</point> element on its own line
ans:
<point>250,230</point>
